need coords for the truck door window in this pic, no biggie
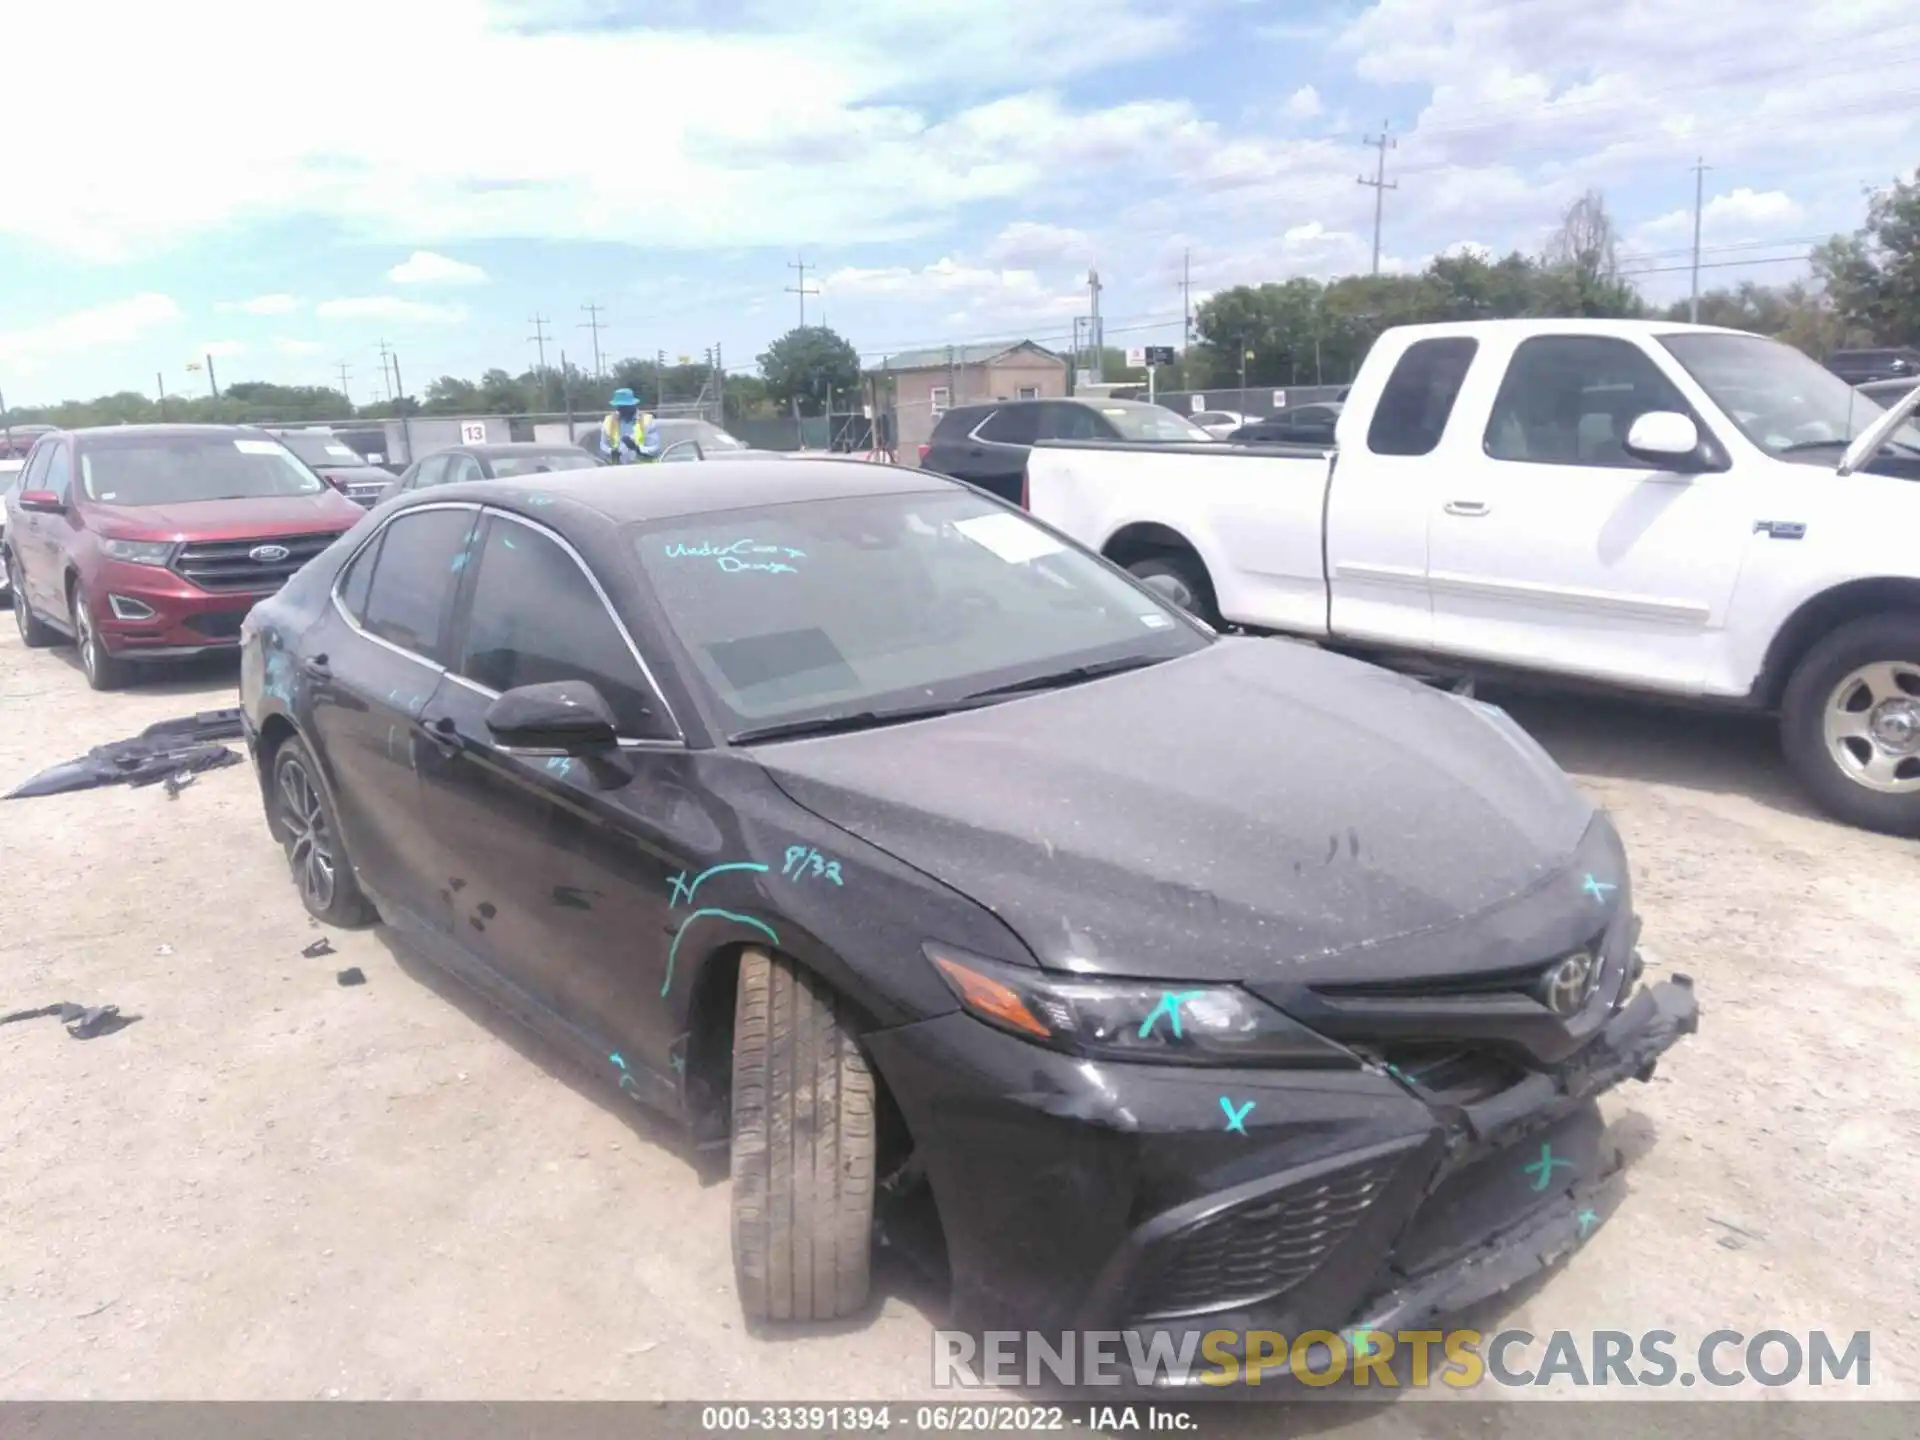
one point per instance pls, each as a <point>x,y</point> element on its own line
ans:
<point>1072,422</point>
<point>1570,400</point>
<point>1419,395</point>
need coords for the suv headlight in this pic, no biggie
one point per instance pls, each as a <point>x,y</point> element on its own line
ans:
<point>1157,1022</point>
<point>137,552</point>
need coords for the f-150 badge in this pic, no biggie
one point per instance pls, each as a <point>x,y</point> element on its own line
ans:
<point>1780,529</point>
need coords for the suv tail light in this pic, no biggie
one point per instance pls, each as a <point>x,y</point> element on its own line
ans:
<point>924,449</point>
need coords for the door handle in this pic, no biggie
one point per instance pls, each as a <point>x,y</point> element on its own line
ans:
<point>1467,507</point>
<point>316,668</point>
<point>444,734</point>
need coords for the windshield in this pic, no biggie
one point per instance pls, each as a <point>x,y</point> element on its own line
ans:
<point>169,469</point>
<point>1779,398</point>
<point>505,467</point>
<point>821,608</point>
<point>1152,422</point>
<point>711,437</point>
<point>322,450</point>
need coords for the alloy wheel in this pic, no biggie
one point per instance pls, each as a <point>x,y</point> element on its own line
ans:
<point>1872,726</point>
<point>22,612</point>
<point>83,632</point>
<point>309,842</point>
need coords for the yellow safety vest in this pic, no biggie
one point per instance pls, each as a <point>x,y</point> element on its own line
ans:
<point>610,427</point>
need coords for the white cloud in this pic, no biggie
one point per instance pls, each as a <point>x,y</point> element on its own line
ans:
<point>1033,244</point>
<point>277,304</point>
<point>1742,214</point>
<point>951,278</point>
<point>286,345</point>
<point>389,307</point>
<point>99,327</point>
<point>1303,104</point>
<point>423,267</point>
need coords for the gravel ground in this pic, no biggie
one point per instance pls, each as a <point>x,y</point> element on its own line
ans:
<point>273,1187</point>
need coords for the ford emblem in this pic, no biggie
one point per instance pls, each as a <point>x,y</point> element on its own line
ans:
<point>268,554</point>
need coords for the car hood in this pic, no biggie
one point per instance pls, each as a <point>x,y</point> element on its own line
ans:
<point>271,516</point>
<point>1258,811</point>
<point>354,474</point>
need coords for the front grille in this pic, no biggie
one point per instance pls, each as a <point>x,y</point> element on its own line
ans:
<point>1257,1250</point>
<point>221,565</point>
<point>217,624</point>
<point>1452,1075</point>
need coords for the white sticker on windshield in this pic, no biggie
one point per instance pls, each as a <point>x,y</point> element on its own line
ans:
<point>1155,622</point>
<point>1009,537</point>
<point>257,447</point>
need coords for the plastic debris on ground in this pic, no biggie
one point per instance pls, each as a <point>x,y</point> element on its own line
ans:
<point>353,976</point>
<point>83,1022</point>
<point>322,946</point>
<point>171,750</point>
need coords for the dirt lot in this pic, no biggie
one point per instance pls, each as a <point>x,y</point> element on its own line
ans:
<point>275,1187</point>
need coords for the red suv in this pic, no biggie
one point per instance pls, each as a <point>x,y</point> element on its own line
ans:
<point>151,542</point>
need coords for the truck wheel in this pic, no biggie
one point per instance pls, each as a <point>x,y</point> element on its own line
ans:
<point>1850,723</point>
<point>1183,580</point>
<point>102,670</point>
<point>35,633</point>
<point>803,1147</point>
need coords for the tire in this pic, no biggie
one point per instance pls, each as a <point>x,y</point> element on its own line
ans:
<point>803,1148</point>
<point>35,633</point>
<point>303,818</point>
<point>1854,698</point>
<point>103,672</point>
<point>1189,574</point>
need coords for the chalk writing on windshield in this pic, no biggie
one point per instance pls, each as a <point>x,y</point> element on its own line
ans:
<point>804,861</point>
<point>738,555</point>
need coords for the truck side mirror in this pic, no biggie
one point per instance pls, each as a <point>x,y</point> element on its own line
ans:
<point>1665,438</point>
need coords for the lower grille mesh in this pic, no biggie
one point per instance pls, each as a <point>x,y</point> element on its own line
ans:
<point>1256,1250</point>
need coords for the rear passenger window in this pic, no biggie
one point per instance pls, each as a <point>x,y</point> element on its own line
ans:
<point>1072,422</point>
<point>414,577</point>
<point>536,619</point>
<point>1015,425</point>
<point>1419,395</point>
<point>358,580</point>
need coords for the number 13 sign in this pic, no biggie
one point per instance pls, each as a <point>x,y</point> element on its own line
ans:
<point>473,432</point>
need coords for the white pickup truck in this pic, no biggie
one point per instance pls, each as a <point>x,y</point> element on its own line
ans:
<point>1673,509</point>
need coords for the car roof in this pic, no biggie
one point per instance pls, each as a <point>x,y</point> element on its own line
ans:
<point>137,432</point>
<point>502,448</point>
<point>627,494</point>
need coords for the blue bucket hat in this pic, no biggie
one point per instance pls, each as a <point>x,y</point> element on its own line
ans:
<point>624,397</point>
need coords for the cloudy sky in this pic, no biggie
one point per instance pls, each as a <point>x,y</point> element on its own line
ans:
<point>287,192</point>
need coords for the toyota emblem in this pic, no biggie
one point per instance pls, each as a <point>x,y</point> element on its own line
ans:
<point>268,554</point>
<point>1568,983</point>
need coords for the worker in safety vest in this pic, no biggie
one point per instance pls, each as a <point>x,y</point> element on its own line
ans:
<point>626,436</point>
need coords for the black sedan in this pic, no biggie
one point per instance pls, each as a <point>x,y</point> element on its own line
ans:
<point>508,460</point>
<point>1302,425</point>
<point>337,463</point>
<point>950,876</point>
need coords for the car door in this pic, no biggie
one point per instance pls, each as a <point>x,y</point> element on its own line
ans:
<point>372,667</point>
<point>567,863</point>
<point>31,534</point>
<point>1000,446</point>
<point>1383,484</point>
<point>1559,550</point>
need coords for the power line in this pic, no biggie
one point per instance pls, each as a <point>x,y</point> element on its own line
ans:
<point>593,323</point>
<point>1720,264</point>
<point>801,289</point>
<point>1382,142</point>
<point>539,338</point>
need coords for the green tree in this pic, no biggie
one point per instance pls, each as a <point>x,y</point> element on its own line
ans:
<point>1872,276</point>
<point>808,365</point>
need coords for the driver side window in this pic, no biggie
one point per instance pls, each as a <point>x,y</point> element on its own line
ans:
<point>1571,399</point>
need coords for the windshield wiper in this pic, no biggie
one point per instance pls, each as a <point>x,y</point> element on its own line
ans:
<point>1074,675</point>
<point>1801,445</point>
<point>858,720</point>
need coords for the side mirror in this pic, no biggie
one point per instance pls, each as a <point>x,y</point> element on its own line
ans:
<point>1665,438</point>
<point>44,501</point>
<point>569,717</point>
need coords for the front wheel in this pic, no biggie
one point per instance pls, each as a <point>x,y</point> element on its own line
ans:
<point>102,670</point>
<point>1850,723</point>
<point>803,1147</point>
<point>1181,578</point>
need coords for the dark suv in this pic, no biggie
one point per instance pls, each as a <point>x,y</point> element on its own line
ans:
<point>986,445</point>
<point>151,542</point>
<point>1857,367</point>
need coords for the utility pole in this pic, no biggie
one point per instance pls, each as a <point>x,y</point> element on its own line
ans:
<point>660,379</point>
<point>801,289</point>
<point>1096,335</point>
<point>1382,142</point>
<point>1700,168</point>
<point>593,323</point>
<point>720,382</point>
<point>344,393</point>
<point>160,380</point>
<point>212,384</point>
<point>539,338</point>
<point>400,401</point>
<point>386,378</point>
<point>1186,298</point>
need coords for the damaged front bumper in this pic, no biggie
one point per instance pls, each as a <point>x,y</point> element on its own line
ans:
<point>1076,1196</point>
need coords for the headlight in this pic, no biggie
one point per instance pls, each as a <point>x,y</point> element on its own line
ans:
<point>137,552</point>
<point>1168,1023</point>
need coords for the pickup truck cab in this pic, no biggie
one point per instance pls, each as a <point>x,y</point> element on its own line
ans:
<point>1678,510</point>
